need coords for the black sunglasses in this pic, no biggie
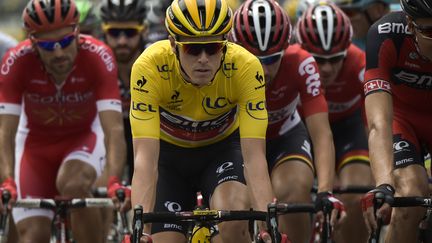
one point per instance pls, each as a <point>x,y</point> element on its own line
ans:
<point>270,59</point>
<point>332,59</point>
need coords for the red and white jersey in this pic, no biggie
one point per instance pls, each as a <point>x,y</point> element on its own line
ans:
<point>345,94</point>
<point>297,80</point>
<point>26,89</point>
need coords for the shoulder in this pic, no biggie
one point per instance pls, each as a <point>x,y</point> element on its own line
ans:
<point>239,53</point>
<point>18,56</point>
<point>393,26</point>
<point>95,51</point>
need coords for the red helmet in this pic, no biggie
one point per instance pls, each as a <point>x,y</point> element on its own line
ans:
<point>47,15</point>
<point>324,29</point>
<point>262,27</point>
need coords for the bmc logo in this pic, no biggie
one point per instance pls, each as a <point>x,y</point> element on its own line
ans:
<point>415,80</point>
<point>313,82</point>
<point>397,28</point>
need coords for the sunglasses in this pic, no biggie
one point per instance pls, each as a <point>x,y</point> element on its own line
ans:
<point>51,45</point>
<point>270,59</point>
<point>330,59</point>
<point>128,30</point>
<point>196,48</point>
<point>425,31</point>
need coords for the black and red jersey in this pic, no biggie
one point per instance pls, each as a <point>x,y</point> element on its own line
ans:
<point>394,65</point>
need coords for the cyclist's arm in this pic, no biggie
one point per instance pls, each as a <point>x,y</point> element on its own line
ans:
<point>253,151</point>
<point>379,112</point>
<point>145,175</point>
<point>112,125</point>
<point>323,149</point>
<point>8,128</point>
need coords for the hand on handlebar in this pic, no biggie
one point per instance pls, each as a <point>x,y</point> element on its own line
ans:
<point>121,195</point>
<point>145,238</point>
<point>325,201</point>
<point>380,200</point>
<point>8,191</point>
<point>264,237</point>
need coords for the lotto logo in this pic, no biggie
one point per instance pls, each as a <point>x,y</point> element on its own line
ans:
<point>376,85</point>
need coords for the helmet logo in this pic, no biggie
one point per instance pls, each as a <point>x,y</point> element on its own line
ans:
<point>258,28</point>
<point>324,13</point>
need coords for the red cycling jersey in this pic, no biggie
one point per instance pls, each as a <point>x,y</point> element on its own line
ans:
<point>344,95</point>
<point>58,122</point>
<point>59,108</point>
<point>297,80</point>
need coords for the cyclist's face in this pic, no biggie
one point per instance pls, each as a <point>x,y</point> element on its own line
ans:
<point>329,70</point>
<point>57,49</point>
<point>200,57</point>
<point>124,38</point>
<point>422,29</point>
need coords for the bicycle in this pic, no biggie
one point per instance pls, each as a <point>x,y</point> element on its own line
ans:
<point>425,227</point>
<point>61,232</point>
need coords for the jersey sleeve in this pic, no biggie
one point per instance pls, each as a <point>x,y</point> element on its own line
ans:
<point>252,105</point>
<point>381,55</point>
<point>145,99</point>
<point>12,82</point>
<point>309,86</point>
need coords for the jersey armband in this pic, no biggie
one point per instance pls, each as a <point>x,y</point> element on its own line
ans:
<point>375,85</point>
<point>10,109</point>
<point>105,105</point>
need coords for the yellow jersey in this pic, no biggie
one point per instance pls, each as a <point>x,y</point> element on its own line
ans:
<point>164,105</point>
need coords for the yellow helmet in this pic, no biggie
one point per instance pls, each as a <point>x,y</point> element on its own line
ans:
<point>198,18</point>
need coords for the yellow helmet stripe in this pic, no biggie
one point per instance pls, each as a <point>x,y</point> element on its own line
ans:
<point>192,8</point>
<point>222,16</point>
<point>210,9</point>
<point>171,26</point>
<point>182,19</point>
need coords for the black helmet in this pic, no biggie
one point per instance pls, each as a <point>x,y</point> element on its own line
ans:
<point>417,8</point>
<point>123,10</point>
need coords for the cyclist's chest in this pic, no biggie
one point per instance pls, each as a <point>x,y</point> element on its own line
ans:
<point>199,103</point>
<point>40,89</point>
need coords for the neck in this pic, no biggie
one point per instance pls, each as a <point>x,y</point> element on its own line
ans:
<point>124,68</point>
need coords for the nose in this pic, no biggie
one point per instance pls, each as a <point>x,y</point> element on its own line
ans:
<point>122,39</point>
<point>203,57</point>
<point>325,67</point>
<point>58,51</point>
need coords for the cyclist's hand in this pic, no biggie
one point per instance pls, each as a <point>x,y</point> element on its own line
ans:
<point>381,198</point>
<point>326,200</point>
<point>264,237</point>
<point>146,238</point>
<point>8,188</point>
<point>120,194</point>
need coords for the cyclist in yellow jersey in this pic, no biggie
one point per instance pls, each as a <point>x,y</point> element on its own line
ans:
<point>198,119</point>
